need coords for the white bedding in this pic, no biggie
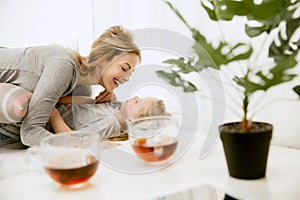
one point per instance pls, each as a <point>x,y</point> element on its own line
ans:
<point>12,162</point>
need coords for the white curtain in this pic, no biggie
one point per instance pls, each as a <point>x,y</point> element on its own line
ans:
<point>43,22</point>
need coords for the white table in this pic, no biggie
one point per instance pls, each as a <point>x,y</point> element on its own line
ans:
<point>282,179</point>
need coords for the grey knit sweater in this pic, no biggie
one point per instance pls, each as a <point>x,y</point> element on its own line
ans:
<point>49,72</point>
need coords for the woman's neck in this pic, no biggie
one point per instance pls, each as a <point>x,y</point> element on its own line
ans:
<point>92,78</point>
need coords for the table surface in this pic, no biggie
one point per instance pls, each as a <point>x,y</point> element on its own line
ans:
<point>282,179</point>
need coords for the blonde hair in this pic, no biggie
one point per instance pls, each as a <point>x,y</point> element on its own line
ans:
<point>113,42</point>
<point>156,109</point>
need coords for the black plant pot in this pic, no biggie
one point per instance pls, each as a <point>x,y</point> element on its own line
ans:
<point>246,153</point>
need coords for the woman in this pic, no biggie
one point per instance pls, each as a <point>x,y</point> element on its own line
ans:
<point>50,72</point>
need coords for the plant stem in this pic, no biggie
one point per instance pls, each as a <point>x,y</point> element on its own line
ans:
<point>245,124</point>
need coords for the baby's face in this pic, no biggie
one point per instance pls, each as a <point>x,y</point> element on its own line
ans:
<point>136,106</point>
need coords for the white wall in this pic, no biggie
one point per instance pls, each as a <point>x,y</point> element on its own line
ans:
<point>43,22</point>
<point>72,22</point>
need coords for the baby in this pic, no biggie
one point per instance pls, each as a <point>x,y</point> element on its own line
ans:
<point>106,119</point>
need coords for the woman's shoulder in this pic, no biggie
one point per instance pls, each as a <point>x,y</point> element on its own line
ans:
<point>53,53</point>
<point>47,47</point>
<point>51,49</point>
<point>46,51</point>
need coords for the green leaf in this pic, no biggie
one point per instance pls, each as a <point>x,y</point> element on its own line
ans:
<point>285,47</point>
<point>255,30</point>
<point>264,10</point>
<point>276,75</point>
<point>227,9</point>
<point>291,26</point>
<point>268,13</point>
<point>175,10</point>
<point>240,81</point>
<point>175,79</point>
<point>241,56</point>
<point>211,12</point>
<point>207,54</point>
<point>214,57</point>
<point>297,90</point>
<point>183,65</point>
<point>215,11</point>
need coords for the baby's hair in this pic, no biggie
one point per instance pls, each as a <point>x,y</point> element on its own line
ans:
<point>156,109</point>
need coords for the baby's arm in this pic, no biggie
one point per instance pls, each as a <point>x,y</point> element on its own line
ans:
<point>76,100</point>
<point>122,121</point>
<point>58,123</point>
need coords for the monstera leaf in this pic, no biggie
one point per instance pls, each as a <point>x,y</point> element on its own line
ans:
<point>285,46</point>
<point>227,9</point>
<point>207,55</point>
<point>276,75</point>
<point>267,15</point>
<point>175,79</point>
<point>223,54</point>
<point>182,65</point>
<point>297,90</point>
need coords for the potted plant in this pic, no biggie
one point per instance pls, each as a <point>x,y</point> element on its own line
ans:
<point>245,142</point>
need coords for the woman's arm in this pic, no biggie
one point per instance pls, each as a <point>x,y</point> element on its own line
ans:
<point>58,123</point>
<point>121,121</point>
<point>56,80</point>
<point>76,100</point>
<point>103,97</point>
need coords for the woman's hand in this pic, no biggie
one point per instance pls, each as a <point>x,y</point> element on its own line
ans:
<point>105,96</point>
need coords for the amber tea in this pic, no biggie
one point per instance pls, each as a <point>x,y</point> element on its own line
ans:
<point>154,152</point>
<point>72,169</point>
<point>154,139</point>
<point>70,158</point>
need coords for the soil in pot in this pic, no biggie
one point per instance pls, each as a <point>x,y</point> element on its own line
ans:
<point>246,153</point>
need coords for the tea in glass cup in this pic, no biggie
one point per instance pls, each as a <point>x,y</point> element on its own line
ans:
<point>154,139</point>
<point>70,158</point>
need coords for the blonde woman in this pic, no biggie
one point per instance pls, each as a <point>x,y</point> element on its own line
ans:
<point>50,72</point>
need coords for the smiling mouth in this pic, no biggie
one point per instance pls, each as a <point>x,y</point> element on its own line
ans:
<point>117,83</point>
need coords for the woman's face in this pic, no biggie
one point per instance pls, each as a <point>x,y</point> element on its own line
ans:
<point>136,106</point>
<point>118,71</point>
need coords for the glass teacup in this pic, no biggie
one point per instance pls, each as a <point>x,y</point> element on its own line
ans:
<point>70,159</point>
<point>154,139</point>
